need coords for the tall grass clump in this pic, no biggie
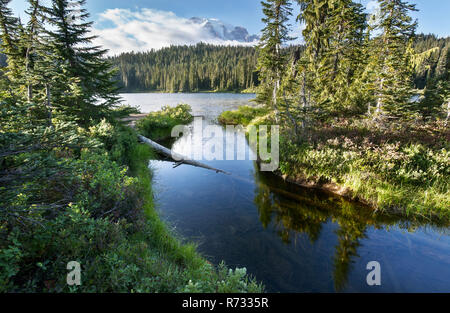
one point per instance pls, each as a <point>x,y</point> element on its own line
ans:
<point>158,125</point>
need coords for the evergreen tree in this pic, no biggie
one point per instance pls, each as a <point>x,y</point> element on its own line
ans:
<point>21,45</point>
<point>9,26</point>
<point>389,72</point>
<point>334,36</point>
<point>81,78</point>
<point>272,58</point>
<point>347,24</point>
<point>313,13</point>
<point>30,40</point>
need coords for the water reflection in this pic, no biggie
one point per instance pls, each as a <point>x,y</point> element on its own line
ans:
<point>290,238</point>
<point>294,212</point>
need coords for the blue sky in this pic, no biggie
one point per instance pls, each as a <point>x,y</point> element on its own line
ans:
<point>117,19</point>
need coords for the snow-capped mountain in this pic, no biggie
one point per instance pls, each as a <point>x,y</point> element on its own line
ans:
<point>220,30</point>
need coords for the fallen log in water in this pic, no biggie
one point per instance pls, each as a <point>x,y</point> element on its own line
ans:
<point>178,158</point>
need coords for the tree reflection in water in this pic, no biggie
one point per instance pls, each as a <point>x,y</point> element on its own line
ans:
<point>292,211</point>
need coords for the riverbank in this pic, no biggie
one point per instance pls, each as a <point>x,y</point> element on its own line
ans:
<point>195,272</point>
<point>400,171</point>
<point>111,226</point>
<point>244,91</point>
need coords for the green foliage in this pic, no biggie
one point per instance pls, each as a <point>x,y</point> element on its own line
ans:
<point>158,125</point>
<point>431,54</point>
<point>81,80</point>
<point>227,281</point>
<point>92,202</point>
<point>272,58</point>
<point>327,74</point>
<point>242,116</point>
<point>389,71</point>
<point>401,175</point>
<point>74,182</point>
<point>351,64</point>
<point>196,68</point>
<point>52,63</point>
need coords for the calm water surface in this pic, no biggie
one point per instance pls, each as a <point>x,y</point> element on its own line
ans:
<point>290,238</point>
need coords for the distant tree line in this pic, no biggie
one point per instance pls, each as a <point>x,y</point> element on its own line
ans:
<point>432,53</point>
<point>205,67</point>
<point>202,67</point>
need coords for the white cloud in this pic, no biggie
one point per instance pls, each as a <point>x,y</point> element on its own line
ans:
<point>148,29</point>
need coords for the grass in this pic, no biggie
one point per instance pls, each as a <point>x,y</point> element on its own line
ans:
<point>392,185</point>
<point>402,169</point>
<point>244,115</point>
<point>158,125</point>
<point>111,228</point>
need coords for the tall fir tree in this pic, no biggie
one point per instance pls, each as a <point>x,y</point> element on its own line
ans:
<point>9,27</point>
<point>272,58</point>
<point>30,42</point>
<point>81,78</point>
<point>313,14</point>
<point>334,35</point>
<point>389,70</point>
<point>346,24</point>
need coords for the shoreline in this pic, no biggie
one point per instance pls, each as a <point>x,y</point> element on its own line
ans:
<point>329,187</point>
<point>189,92</point>
<point>350,195</point>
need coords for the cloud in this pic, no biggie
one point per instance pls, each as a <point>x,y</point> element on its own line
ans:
<point>125,31</point>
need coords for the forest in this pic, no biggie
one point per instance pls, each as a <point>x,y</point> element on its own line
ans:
<point>352,115</point>
<point>204,67</point>
<point>196,68</point>
<point>74,180</point>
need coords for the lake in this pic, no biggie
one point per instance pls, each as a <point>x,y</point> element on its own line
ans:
<point>290,238</point>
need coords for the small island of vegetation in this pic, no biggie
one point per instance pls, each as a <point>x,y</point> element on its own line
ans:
<point>351,116</point>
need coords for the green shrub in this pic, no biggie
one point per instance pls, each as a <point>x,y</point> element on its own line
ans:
<point>94,204</point>
<point>242,116</point>
<point>158,125</point>
<point>408,177</point>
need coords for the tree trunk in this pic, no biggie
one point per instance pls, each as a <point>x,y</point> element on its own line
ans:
<point>379,97</point>
<point>29,48</point>
<point>49,104</point>
<point>289,115</point>
<point>305,103</point>
<point>448,113</point>
<point>180,159</point>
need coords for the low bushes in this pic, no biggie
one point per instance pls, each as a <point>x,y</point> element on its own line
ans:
<point>403,169</point>
<point>158,125</point>
<point>407,177</point>
<point>94,205</point>
<point>242,116</point>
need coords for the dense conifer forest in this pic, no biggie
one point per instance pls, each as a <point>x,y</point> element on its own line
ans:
<point>206,67</point>
<point>188,69</point>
